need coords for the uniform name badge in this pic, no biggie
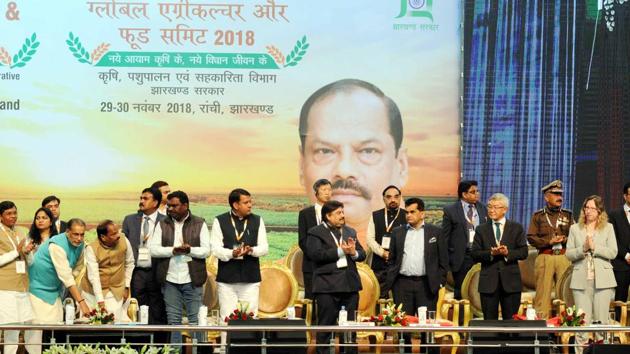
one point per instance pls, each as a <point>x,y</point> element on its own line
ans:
<point>342,262</point>
<point>471,235</point>
<point>143,254</point>
<point>20,267</point>
<point>385,242</point>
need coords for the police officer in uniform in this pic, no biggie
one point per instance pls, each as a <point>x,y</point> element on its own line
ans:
<point>548,231</point>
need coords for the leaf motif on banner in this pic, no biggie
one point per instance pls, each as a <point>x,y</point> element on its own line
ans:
<point>23,56</point>
<point>276,54</point>
<point>99,52</point>
<point>298,52</point>
<point>75,46</point>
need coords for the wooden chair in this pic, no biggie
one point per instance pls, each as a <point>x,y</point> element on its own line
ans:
<point>449,310</point>
<point>293,261</point>
<point>368,298</point>
<point>278,290</point>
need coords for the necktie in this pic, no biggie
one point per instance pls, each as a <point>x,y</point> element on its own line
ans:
<point>470,214</point>
<point>497,231</point>
<point>145,229</point>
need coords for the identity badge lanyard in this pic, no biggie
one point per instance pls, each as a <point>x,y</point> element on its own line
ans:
<point>558,246</point>
<point>20,265</point>
<point>388,225</point>
<point>239,235</point>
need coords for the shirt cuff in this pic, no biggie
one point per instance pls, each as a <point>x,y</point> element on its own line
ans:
<point>627,256</point>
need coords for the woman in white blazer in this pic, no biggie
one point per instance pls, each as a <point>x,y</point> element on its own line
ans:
<point>591,247</point>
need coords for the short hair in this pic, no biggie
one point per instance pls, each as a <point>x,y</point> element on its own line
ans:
<point>319,183</point>
<point>390,187</point>
<point>625,188</point>
<point>464,186</point>
<point>34,233</point>
<point>419,202</point>
<point>183,197</point>
<point>501,198</point>
<point>101,228</point>
<point>349,85</point>
<point>159,184</point>
<point>157,195</point>
<point>6,205</point>
<point>329,207</point>
<point>49,199</point>
<point>235,195</point>
<point>73,221</point>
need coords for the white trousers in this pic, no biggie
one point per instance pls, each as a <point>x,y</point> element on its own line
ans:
<point>229,296</point>
<point>117,307</point>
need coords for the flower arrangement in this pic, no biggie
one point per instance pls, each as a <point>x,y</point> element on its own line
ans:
<point>391,315</point>
<point>572,317</point>
<point>241,313</point>
<point>100,316</point>
<point>98,349</point>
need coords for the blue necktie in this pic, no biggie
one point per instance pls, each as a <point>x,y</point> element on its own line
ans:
<point>497,231</point>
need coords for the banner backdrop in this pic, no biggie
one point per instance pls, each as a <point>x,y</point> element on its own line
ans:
<point>100,98</point>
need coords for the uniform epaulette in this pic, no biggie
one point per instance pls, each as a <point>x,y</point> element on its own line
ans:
<point>567,210</point>
<point>539,211</point>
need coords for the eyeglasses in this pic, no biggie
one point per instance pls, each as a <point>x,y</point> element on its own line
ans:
<point>495,207</point>
<point>590,208</point>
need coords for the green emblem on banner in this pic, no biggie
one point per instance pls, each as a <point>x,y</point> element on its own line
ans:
<point>416,8</point>
<point>23,56</point>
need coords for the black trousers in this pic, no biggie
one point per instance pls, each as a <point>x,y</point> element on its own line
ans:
<point>458,276</point>
<point>146,289</point>
<point>413,292</point>
<point>621,291</point>
<point>509,304</point>
<point>328,306</point>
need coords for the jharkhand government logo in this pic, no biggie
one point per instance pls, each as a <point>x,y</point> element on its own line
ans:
<point>420,9</point>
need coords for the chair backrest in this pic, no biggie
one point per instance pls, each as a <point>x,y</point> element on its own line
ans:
<point>278,290</point>
<point>470,289</point>
<point>563,287</point>
<point>293,261</point>
<point>368,296</point>
<point>526,266</point>
<point>210,289</point>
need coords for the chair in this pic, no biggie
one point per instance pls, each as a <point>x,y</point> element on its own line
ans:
<point>210,297</point>
<point>293,261</point>
<point>448,310</point>
<point>368,298</point>
<point>278,290</point>
<point>470,290</point>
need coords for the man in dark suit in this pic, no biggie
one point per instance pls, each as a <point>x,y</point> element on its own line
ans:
<point>334,249</point>
<point>419,263</point>
<point>458,227</point>
<point>499,246</point>
<point>310,217</point>
<point>620,219</point>
<point>53,204</point>
<point>139,229</point>
<point>379,235</point>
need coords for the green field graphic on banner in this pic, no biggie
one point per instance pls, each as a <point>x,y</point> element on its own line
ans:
<point>188,60</point>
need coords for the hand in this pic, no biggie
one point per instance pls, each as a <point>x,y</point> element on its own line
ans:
<point>503,250</point>
<point>349,247</point>
<point>85,309</point>
<point>386,255</point>
<point>126,294</point>
<point>557,239</point>
<point>237,252</point>
<point>247,250</point>
<point>101,305</point>
<point>628,260</point>
<point>588,244</point>
<point>495,251</point>
<point>185,248</point>
<point>26,249</point>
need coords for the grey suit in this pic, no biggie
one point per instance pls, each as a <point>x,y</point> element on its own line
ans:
<point>593,296</point>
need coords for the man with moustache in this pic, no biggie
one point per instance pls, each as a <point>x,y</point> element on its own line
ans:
<point>109,261</point>
<point>379,234</point>
<point>309,217</point>
<point>179,248</point>
<point>16,306</point>
<point>53,204</point>
<point>334,250</point>
<point>351,134</point>
<point>548,232</point>
<point>140,228</point>
<point>458,227</point>
<point>239,239</point>
<point>499,245</point>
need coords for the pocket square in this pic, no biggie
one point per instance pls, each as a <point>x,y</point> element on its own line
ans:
<point>432,239</point>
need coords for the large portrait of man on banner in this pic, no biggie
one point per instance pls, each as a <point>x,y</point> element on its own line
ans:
<point>351,134</point>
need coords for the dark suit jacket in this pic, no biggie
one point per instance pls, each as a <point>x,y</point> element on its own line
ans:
<point>322,250</point>
<point>435,258</point>
<point>455,230</point>
<point>494,268</point>
<point>306,220</point>
<point>63,226</point>
<point>619,222</point>
<point>132,225</point>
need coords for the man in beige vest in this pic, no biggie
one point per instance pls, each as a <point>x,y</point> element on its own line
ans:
<point>109,262</point>
<point>16,306</point>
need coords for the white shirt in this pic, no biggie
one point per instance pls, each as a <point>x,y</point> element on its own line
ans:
<point>413,253</point>
<point>91,264</point>
<point>626,209</point>
<point>178,265</point>
<point>152,226</point>
<point>318,213</point>
<point>15,239</point>
<point>466,207</point>
<point>225,254</point>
